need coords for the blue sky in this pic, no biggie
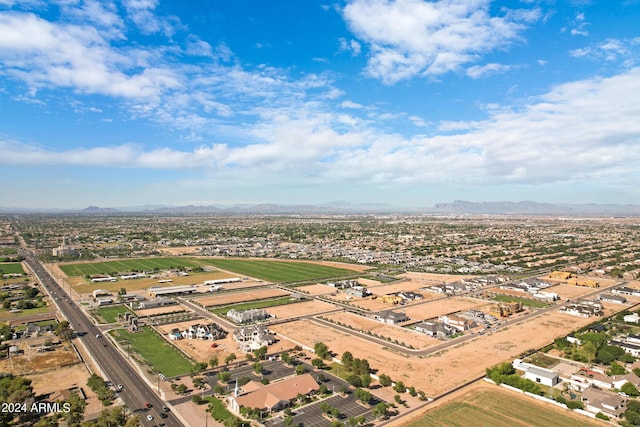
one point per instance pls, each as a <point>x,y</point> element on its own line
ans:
<point>408,102</point>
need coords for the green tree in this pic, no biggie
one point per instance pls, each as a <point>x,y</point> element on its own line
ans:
<point>629,389</point>
<point>365,380</point>
<point>617,369</point>
<point>317,363</point>
<point>224,376</point>
<point>260,353</point>
<point>322,351</point>
<point>300,369</point>
<point>76,411</point>
<point>354,380</point>
<point>385,380</point>
<point>347,360</point>
<point>213,362</point>
<point>64,331</point>
<point>230,358</point>
<point>400,387</point>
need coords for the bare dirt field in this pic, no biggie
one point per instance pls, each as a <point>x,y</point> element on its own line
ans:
<point>404,286</point>
<point>403,335</point>
<point>161,310</point>
<point>64,378</point>
<point>30,361</point>
<point>316,289</point>
<point>231,298</point>
<point>300,309</point>
<point>447,369</point>
<point>570,291</point>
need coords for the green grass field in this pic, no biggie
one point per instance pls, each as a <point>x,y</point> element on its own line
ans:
<point>137,264</point>
<point>6,315</point>
<point>497,408</point>
<point>280,271</point>
<point>218,411</point>
<point>11,268</point>
<point>253,304</point>
<point>155,351</point>
<point>110,314</point>
<point>525,301</point>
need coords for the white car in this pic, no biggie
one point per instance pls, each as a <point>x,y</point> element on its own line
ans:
<point>150,417</point>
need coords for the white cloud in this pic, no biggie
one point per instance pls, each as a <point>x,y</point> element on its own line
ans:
<point>48,55</point>
<point>611,50</point>
<point>478,71</point>
<point>585,131</point>
<point>351,46</point>
<point>351,104</point>
<point>409,38</point>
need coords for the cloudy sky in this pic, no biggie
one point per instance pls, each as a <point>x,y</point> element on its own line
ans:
<point>407,102</point>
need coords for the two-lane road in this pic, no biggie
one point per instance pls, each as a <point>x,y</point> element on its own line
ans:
<point>136,393</point>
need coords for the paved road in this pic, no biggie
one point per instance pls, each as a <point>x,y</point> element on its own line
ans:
<point>136,392</point>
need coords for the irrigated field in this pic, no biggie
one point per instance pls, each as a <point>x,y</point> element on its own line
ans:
<point>499,408</point>
<point>280,271</point>
<point>11,268</point>
<point>110,314</point>
<point>155,351</point>
<point>138,264</point>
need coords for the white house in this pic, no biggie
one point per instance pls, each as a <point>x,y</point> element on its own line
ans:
<point>632,318</point>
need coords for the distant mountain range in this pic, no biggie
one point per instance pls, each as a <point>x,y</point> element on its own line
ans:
<point>458,207</point>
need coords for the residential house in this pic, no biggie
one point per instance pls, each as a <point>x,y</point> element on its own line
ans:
<point>253,337</point>
<point>630,348</point>
<point>359,291</point>
<point>175,334</point>
<point>457,322</point>
<point>632,318</point>
<point>612,405</point>
<point>247,316</point>
<point>434,329</point>
<point>392,317</point>
<point>616,299</point>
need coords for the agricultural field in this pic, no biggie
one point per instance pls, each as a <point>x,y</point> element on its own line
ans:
<point>281,271</point>
<point>11,268</point>
<point>137,264</point>
<point>499,408</point>
<point>158,353</point>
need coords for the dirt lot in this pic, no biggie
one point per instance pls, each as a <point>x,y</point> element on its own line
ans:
<point>316,289</point>
<point>224,299</point>
<point>31,361</point>
<point>161,310</point>
<point>569,291</point>
<point>300,309</point>
<point>406,286</point>
<point>403,335</point>
<point>447,369</point>
<point>64,378</point>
